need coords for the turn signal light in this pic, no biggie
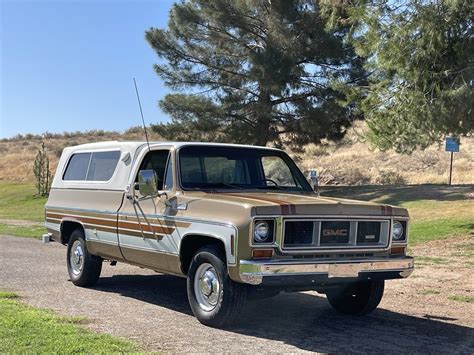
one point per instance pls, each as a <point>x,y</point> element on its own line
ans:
<point>262,253</point>
<point>397,250</point>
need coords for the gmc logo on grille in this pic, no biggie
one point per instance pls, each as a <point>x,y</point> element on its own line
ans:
<point>335,232</point>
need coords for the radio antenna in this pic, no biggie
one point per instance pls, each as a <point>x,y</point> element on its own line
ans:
<point>141,113</point>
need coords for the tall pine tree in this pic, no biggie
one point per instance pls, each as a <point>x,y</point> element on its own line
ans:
<point>420,54</point>
<point>253,71</point>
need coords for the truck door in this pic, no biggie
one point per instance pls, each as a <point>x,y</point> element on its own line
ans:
<point>146,241</point>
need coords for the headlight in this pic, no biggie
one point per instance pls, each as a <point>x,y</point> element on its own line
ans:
<point>397,231</point>
<point>263,232</point>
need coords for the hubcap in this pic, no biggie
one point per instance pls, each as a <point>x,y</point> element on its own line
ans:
<point>76,257</point>
<point>207,287</point>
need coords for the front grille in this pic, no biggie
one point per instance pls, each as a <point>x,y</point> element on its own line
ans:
<point>335,234</point>
<point>368,232</point>
<point>299,233</point>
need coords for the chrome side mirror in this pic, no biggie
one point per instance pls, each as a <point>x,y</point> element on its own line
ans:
<point>147,182</point>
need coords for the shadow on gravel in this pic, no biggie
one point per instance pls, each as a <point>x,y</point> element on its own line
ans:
<point>307,322</point>
<point>162,290</point>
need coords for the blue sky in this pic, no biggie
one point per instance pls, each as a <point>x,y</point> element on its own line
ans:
<point>69,65</point>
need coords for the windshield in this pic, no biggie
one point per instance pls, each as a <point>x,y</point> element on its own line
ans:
<point>236,168</point>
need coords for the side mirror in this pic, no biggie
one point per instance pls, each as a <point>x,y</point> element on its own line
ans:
<point>147,182</point>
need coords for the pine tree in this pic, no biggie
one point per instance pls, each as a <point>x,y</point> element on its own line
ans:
<point>252,71</point>
<point>42,172</point>
<point>420,54</point>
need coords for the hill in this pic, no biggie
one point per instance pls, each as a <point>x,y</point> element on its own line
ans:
<point>354,162</point>
<point>18,153</point>
<point>349,162</point>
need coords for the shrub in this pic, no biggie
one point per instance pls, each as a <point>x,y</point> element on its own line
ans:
<point>326,178</point>
<point>428,159</point>
<point>313,151</point>
<point>58,151</point>
<point>42,171</point>
<point>355,177</point>
<point>390,177</point>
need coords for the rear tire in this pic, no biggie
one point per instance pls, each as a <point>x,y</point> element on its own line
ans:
<point>214,298</point>
<point>358,298</point>
<point>83,268</point>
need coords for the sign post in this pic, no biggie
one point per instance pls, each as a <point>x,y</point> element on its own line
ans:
<point>452,145</point>
<point>313,175</point>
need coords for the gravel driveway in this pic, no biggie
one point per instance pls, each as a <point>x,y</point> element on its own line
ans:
<point>152,309</point>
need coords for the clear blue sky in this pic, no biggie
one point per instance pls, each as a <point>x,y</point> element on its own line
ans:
<point>68,65</point>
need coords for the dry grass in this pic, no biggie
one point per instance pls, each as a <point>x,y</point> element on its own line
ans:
<point>18,153</point>
<point>353,162</point>
<point>349,162</point>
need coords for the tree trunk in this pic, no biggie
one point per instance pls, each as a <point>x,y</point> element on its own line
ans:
<point>263,117</point>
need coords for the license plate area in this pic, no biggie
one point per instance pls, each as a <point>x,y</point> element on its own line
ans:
<point>343,270</point>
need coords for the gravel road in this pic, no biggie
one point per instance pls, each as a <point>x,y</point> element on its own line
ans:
<point>152,309</point>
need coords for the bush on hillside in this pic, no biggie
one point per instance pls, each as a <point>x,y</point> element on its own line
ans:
<point>355,177</point>
<point>390,177</point>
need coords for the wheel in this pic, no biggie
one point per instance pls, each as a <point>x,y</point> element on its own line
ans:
<point>358,298</point>
<point>84,269</point>
<point>214,298</point>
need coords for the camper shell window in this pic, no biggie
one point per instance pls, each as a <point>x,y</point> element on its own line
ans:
<point>96,166</point>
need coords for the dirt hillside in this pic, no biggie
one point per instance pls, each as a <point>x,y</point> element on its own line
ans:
<point>354,162</point>
<point>349,162</point>
<point>18,153</point>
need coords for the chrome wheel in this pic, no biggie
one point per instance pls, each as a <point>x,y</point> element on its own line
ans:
<point>76,257</point>
<point>207,287</point>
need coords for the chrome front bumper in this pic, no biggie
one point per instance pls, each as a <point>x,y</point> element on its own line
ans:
<point>256,272</point>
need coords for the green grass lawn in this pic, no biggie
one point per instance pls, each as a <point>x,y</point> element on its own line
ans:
<point>436,211</point>
<point>24,329</point>
<point>22,231</point>
<point>19,201</point>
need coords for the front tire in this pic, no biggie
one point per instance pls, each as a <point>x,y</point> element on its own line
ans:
<point>214,298</point>
<point>83,268</point>
<point>358,298</point>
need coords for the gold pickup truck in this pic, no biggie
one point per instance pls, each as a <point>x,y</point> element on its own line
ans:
<point>237,221</point>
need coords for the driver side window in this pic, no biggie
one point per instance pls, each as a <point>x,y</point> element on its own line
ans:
<point>157,160</point>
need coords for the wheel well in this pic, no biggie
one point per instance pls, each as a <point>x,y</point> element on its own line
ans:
<point>191,244</point>
<point>67,227</point>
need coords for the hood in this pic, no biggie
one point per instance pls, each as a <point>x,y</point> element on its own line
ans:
<point>274,203</point>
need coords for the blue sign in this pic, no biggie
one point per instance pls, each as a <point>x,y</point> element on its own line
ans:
<point>452,144</point>
<point>313,174</point>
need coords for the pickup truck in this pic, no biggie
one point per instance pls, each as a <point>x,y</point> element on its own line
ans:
<point>239,222</point>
